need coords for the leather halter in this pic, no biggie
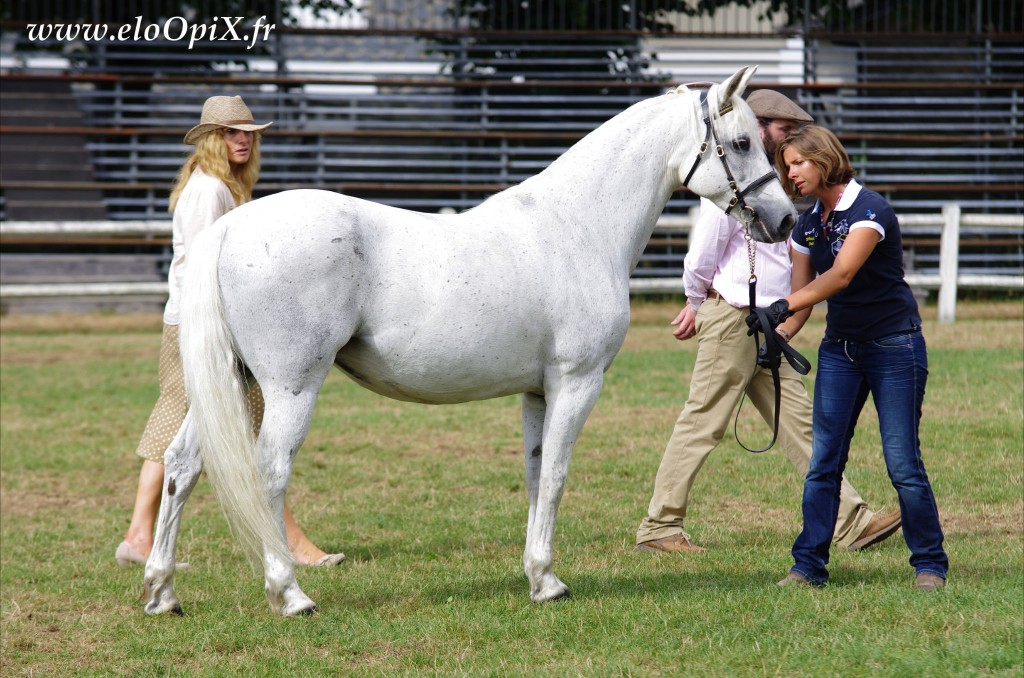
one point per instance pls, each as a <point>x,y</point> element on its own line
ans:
<point>746,214</point>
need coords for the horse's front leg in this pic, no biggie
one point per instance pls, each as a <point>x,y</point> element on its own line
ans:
<point>534,408</point>
<point>569,398</point>
<point>285,425</point>
<point>182,466</point>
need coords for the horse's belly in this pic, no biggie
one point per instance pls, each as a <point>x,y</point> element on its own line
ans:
<point>439,375</point>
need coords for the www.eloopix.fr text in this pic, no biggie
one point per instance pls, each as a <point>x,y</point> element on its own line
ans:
<point>174,29</point>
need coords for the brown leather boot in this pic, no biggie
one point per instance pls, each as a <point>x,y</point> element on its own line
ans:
<point>676,543</point>
<point>794,579</point>
<point>881,526</point>
<point>926,581</point>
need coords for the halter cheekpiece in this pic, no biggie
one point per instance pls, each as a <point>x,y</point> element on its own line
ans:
<point>746,213</point>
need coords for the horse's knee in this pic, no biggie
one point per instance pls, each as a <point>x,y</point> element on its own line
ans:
<point>276,464</point>
<point>182,461</point>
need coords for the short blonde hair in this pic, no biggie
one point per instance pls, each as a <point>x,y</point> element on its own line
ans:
<point>211,156</point>
<point>822,148</point>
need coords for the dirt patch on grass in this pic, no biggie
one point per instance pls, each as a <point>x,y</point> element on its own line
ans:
<point>149,351</point>
<point>80,322</point>
<point>62,347</point>
<point>57,497</point>
<point>983,519</point>
<point>978,325</point>
<point>980,333</point>
<point>1006,310</point>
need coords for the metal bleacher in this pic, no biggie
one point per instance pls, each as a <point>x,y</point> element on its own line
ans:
<point>408,110</point>
<point>412,111</point>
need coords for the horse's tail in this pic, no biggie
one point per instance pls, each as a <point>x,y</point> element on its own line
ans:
<point>216,393</point>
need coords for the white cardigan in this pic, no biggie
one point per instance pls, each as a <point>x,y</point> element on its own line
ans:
<point>203,200</point>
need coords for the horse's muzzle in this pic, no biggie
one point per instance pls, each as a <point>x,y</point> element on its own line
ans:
<point>762,232</point>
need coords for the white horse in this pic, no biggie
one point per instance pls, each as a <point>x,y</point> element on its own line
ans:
<point>526,293</point>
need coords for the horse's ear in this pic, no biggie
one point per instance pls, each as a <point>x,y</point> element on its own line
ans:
<point>735,85</point>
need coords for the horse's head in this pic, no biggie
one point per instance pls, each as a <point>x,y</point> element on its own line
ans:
<point>730,167</point>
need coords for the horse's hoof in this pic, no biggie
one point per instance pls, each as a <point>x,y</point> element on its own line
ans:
<point>175,609</point>
<point>307,611</point>
<point>561,593</point>
<point>302,606</point>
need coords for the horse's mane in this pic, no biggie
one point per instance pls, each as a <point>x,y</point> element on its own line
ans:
<point>597,134</point>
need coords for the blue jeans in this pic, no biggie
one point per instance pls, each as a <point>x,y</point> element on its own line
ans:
<point>894,370</point>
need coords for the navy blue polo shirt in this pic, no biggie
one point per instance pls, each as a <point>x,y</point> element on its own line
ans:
<point>878,302</point>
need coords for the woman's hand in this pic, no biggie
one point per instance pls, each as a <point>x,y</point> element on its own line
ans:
<point>775,314</point>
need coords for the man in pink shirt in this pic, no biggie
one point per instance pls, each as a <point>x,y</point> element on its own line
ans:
<point>715,278</point>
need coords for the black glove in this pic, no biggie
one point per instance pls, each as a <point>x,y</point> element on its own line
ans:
<point>769,358</point>
<point>776,313</point>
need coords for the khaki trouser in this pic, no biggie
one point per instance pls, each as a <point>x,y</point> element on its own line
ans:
<point>724,365</point>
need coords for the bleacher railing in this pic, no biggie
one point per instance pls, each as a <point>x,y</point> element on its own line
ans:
<point>950,241</point>
<point>423,104</point>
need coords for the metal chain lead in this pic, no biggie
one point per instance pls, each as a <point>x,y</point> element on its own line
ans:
<point>751,252</point>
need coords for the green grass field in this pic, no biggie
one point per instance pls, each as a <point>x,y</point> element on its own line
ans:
<point>430,506</point>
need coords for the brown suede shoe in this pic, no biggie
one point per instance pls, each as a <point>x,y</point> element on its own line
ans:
<point>794,579</point>
<point>676,543</point>
<point>926,581</point>
<point>881,526</point>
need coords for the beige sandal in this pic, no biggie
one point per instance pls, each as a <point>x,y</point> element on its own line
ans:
<point>127,555</point>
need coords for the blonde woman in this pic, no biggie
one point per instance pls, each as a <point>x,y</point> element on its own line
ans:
<point>218,176</point>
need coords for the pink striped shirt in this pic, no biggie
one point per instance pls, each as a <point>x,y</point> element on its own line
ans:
<point>717,259</point>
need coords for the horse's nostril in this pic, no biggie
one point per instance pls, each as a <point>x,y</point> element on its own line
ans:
<point>788,222</point>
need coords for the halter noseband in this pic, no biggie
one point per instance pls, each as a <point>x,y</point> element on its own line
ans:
<point>746,214</point>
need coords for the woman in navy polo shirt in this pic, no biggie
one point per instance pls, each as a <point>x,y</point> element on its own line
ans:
<point>847,249</point>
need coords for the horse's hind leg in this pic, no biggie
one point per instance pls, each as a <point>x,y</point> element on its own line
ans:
<point>182,466</point>
<point>286,421</point>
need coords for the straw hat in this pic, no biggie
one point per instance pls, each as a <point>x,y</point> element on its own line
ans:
<point>767,103</point>
<point>224,112</point>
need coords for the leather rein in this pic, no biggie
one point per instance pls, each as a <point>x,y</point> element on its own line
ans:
<point>769,356</point>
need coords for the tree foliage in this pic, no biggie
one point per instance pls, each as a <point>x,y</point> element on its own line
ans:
<point>569,15</point>
<point>888,16</point>
<point>882,16</point>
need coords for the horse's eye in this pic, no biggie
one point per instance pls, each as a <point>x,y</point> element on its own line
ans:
<point>741,143</point>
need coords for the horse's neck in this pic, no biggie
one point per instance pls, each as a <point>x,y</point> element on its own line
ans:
<point>611,187</point>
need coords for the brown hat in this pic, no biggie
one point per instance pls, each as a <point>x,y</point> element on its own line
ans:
<point>224,112</point>
<point>767,103</point>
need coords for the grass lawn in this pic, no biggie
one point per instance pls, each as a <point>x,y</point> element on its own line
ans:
<point>429,504</point>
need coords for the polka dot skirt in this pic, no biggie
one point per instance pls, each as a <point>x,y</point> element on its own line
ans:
<point>171,406</point>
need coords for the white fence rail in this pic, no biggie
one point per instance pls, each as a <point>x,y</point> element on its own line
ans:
<point>948,281</point>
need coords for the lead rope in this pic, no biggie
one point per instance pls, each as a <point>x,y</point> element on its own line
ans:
<point>771,358</point>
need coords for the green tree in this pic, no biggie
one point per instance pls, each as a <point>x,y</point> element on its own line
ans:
<point>569,15</point>
<point>888,16</point>
<point>882,16</point>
